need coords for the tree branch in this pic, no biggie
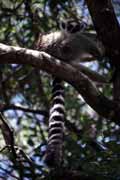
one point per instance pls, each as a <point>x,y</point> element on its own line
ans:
<point>108,30</point>
<point>5,107</point>
<point>42,60</point>
<point>107,27</point>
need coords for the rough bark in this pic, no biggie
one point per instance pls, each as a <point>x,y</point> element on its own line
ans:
<point>108,30</point>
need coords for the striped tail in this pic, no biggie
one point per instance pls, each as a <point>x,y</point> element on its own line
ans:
<point>54,152</point>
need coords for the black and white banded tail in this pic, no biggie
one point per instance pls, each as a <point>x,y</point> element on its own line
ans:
<point>54,152</point>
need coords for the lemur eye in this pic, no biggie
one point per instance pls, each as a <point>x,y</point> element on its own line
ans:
<point>75,28</point>
<point>70,27</point>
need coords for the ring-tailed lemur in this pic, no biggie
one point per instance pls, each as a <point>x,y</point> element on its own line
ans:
<point>67,45</point>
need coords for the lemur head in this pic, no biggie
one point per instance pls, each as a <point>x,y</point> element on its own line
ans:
<point>72,26</point>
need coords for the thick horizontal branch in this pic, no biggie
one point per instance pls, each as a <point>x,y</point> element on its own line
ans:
<point>102,105</point>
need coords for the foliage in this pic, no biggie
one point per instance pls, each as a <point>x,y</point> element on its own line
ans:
<point>91,142</point>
